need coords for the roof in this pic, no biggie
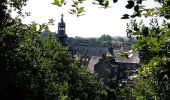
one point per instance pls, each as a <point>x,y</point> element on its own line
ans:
<point>88,50</point>
<point>93,61</point>
<point>104,65</point>
<point>62,23</point>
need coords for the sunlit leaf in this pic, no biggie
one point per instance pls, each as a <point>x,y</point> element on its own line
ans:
<point>58,2</point>
<point>105,3</point>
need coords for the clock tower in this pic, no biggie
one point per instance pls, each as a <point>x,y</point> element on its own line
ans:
<point>61,31</point>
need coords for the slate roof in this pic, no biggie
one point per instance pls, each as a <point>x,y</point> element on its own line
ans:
<point>93,61</point>
<point>88,50</point>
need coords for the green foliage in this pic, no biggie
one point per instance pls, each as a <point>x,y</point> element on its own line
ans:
<point>35,68</point>
<point>58,2</point>
<point>153,45</point>
<point>110,59</point>
<point>77,9</point>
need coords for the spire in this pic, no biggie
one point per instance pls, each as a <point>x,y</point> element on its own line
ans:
<point>62,17</point>
<point>61,23</point>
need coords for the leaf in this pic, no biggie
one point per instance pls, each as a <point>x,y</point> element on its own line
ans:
<point>58,2</point>
<point>136,28</point>
<point>73,5</point>
<point>62,1</point>
<point>148,13</point>
<point>75,2</point>
<point>139,2</point>
<point>167,16</point>
<point>72,11</point>
<point>100,2</point>
<point>125,16</point>
<point>106,3</point>
<point>130,4</point>
<point>136,8</point>
<point>114,1</point>
<point>81,10</point>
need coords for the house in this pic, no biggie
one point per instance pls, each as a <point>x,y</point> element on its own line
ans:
<point>106,71</point>
<point>89,55</point>
<point>127,65</point>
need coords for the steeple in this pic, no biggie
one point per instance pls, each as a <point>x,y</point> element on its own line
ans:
<point>61,31</point>
<point>62,18</point>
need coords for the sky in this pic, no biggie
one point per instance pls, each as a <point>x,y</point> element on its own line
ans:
<point>96,21</point>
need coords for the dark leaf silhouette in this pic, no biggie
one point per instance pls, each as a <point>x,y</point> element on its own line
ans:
<point>100,2</point>
<point>114,1</point>
<point>130,4</point>
<point>136,8</point>
<point>125,16</point>
<point>167,16</point>
<point>139,2</point>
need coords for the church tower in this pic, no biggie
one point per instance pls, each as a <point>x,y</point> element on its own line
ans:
<point>61,31</point>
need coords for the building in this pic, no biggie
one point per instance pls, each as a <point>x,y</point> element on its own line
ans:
<point>61,33</point>
<point>89,55</point>
<point>106,71</point>
<point>127,65</point>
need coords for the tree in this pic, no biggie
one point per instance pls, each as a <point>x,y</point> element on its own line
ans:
<point>35,68</point>
<point>153,45</point>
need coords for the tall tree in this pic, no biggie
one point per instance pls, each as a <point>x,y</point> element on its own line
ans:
<point>35,68</point>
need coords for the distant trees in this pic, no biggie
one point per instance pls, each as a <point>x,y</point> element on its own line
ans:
<point>104,40</point>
